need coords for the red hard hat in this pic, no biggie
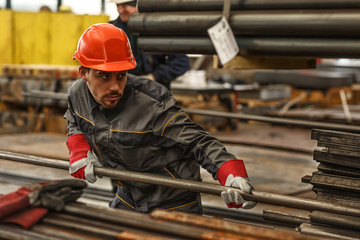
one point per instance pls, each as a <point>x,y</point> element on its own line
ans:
<point>105,47</point>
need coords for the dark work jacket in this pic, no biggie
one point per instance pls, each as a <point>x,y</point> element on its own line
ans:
<point>165,68</point>
<point>149,133</point>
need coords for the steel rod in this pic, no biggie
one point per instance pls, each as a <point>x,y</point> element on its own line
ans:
<point>282,121</point>
<point>216,5</point>
<point>240,116</point>
<point>265,47</point>
<point>141,221</point>
<point>194,186</point>
<point>335,220</point>
<point>255,23</point>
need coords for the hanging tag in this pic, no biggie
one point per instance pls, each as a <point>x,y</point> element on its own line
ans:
<point>223,39</point>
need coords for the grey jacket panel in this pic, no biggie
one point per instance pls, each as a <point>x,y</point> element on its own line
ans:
<point>150,133</point>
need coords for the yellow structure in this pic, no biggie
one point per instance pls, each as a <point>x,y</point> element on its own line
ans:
<point>42,37</point>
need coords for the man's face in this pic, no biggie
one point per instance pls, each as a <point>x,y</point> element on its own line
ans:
<point>107,88</point>
<point>125,11</point>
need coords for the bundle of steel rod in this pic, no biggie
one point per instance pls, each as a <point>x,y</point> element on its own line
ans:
<point>79,221</point>
<point>260,28</point>
<point>337,179</point>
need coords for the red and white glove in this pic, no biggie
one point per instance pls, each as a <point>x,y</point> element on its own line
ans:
<point>233,174</point>
<point>82,160</point>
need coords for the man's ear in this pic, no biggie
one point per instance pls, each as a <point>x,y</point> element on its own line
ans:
<point>82,73</point>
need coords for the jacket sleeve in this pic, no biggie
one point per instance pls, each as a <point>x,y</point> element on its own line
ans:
<point>175,66</point>
<point>173,128</point>
<point>69,115</point>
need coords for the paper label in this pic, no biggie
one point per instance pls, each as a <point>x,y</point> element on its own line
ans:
<point>223,39</point>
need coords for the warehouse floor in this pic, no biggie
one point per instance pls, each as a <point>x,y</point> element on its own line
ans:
<point>270,166</point>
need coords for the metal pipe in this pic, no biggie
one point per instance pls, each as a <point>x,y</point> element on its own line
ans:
<point>282,121</point>
<point>285,217</point>
<point>244,23</point>
<point>335,220</point>
<point>194,186</point>
<point>216,5</point>
<point>9,232</point>
<point>265,47</point>
<point>243,230</point>
<point>142,221</point>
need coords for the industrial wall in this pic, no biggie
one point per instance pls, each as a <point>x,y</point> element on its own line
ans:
<point>42,37</point>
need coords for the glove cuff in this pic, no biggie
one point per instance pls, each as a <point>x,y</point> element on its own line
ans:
<point>235,167</point>
<point>78,147</point>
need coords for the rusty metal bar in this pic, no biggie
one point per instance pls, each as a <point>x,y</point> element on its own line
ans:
<point>142,221</point>
<point>102,227</point>
<point>194,186</point>
<point>218,224</point>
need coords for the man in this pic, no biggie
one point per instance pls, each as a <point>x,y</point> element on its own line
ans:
<point>133,123</point>
<point>158,67</point>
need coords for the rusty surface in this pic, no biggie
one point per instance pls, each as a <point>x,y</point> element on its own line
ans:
<point>242,230</point>
<point>137,236</point>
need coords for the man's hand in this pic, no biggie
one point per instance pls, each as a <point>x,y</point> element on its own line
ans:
<point>82,160</point>
<point>233,174</point>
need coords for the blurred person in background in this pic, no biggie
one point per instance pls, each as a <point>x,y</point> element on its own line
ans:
<point>162,68</point>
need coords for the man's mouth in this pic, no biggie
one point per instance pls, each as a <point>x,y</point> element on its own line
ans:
<point>112,97</point>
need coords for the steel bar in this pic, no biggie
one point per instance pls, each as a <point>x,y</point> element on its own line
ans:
<point>142,221</point>
<point>95,227</point>
<point>216,5</point>
<point>329,232</point>
<point>194,186</point>
<point>243,230</point>
<point>340,24</point>
<point>282,121</point>
<point>14,233</point>
<point>284,217</point>
<point>88,228</point>
<point>46,95</point>
<point>335,220</point>
<point>59,232</point>
<point>265,47</point>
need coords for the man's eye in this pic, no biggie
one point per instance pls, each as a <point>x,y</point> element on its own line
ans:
<point>105,77</point>
<point>121,75</point>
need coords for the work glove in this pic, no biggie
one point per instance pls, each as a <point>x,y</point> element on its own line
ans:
<point>50,195</point>
<point>82,160</point>
<point>233,174</point>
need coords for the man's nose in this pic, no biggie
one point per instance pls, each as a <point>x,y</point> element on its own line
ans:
<point>114,84</point>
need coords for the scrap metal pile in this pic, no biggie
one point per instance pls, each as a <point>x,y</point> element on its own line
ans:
<point>299,28</point>
<point>337,179</point>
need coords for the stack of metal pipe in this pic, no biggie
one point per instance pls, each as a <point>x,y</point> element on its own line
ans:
<point>298,28</point>
<point>337,179</point>
<point>79,221</point>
